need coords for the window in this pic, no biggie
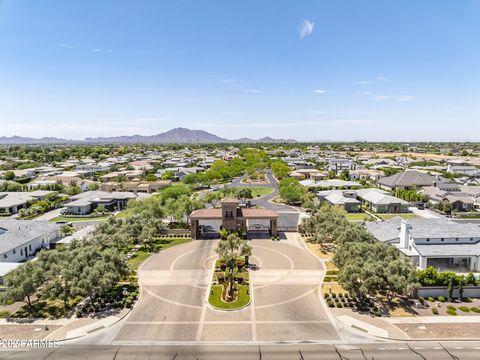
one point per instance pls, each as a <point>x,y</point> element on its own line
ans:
<point>428,240</point>
<point>456,239</point>
<point>4,256</point>
<point>21,252</point>
<point>442,239</point>
<point>14,251</point>
<point>229,214</point>
<point>30,247</point>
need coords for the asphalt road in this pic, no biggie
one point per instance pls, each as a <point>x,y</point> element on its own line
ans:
<point>404,351</point>
<point>288,216</point>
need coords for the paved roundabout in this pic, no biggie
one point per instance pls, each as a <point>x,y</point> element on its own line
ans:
<point>173,303</point>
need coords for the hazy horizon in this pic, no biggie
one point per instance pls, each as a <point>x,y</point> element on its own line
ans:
<point>309,71</point>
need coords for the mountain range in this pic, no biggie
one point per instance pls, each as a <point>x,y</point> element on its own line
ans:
<point>174,136</point>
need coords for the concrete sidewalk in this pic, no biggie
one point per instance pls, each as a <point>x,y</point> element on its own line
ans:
<point>434,320</point>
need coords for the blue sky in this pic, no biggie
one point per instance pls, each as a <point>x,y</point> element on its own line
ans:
<point>310,70</point>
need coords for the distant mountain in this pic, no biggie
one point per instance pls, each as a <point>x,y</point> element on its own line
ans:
<point>19,140</point>
<point>174,136</point>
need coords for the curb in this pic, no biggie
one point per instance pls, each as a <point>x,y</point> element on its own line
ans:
<point>140,290</point>
<point>227,310</point>
<point>102,328</point>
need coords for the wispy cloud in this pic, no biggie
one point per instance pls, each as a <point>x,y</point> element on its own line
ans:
<point>252,91</point>
<point>320,91</point>
<point>384,79</point>
<point>363,93</point>
<point>97,50</point>
<point>306,28</point>
<point>380,97</point>
<point>362,82</point>
<point>405,98</point>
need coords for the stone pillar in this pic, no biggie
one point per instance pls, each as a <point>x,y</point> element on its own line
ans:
<point>273,227</point>
<point>194,229</point>
<point>423,262</point>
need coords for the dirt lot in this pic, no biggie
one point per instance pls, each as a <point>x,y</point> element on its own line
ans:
<point>441,331</point>
<point>26,332</point>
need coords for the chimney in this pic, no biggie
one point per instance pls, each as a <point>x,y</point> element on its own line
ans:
<point>404,234</point>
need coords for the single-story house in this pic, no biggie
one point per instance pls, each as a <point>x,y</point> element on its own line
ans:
<point>408,180</point>
<point>381,202</point>
<point>441,243</point>
<point>136,186</point>
<point>21,239</point>
<point>329,183</point>
<point>345,199</point>
<point>85,203</point>
<point>12,202</point>
<point>365,174</point>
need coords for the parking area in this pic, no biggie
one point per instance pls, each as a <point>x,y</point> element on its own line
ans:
<point>173,307</point>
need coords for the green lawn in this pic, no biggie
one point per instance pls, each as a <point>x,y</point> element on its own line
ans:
<point>73,219</point>
<point>462,216</point>
<point>157,245</point>
<point>121,215</point>
<point>403,216</point>
<point>215,298</point>
<point>258,191</point>
<point>359,216</point>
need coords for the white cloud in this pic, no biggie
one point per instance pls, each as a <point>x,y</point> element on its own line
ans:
<point>381,97</point>
<point>384,79</point>
<point>306,28</point>
<point>363,93</point>
<point>97,50</point>
<point>320,91</point>
<point>405,98</point>
<point>252,91</point>
<point>362,82</point>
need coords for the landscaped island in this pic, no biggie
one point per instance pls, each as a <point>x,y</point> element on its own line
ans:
<point>230,288</point>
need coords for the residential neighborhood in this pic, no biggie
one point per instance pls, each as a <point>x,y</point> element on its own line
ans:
<point>245,180</point>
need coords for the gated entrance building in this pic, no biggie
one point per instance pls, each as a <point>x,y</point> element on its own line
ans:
<point>233,217</point>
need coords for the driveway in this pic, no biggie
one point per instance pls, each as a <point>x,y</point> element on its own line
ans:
<point>288,216</point>
<point>173,307</point>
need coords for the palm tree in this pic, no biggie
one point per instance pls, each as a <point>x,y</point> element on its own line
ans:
<point>229,250</point>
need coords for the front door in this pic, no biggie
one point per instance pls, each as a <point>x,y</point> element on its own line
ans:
<point>26,252</point>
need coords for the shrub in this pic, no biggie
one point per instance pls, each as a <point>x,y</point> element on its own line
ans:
<point>441,299</point>
<point>339,305</point>
<point>340,295</point>
<point>331,304</point>
<point>326,295</point>
<point>435,311</point>
<point>327,279</point>
<point>4,314</point>
<point>450,307</point>
<point>378,313</point>
<point>431,299</point>
<point>467,300</point>
<point>332,272</point>
<point>334,295</point>
<point>475,309</point>
<point>452,312</point>
<point>78,314</point>
<point>421,300</point>
<point>464,309</point>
